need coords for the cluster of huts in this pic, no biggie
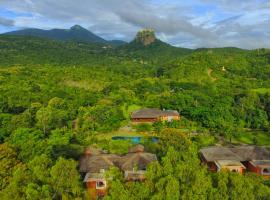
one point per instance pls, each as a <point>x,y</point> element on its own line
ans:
<point>95,162</point>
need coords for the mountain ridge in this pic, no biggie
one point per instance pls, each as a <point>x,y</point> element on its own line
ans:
<point>75,33</point>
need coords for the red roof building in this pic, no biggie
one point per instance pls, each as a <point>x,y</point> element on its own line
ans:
<point>94,166</point>
<point>237,159</point>
<point>149,115</point>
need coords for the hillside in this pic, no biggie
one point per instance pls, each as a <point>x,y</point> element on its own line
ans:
<point>27,49</point>
<point>146,46</point>
<point>58,98</point>
<point>75,33</point>
<point>22,50</point>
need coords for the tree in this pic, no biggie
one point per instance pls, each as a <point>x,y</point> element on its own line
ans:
<point>40,167</point>
<point>4,126</point>
<point>65,179</point>
<point>102,117</point>
<point>44,118</point>
<point>29,142</point>
<point>182,175</point>
<point>8,163</point>
<point>55,115</point>
<point>173,138</point>
<point>16,188</point>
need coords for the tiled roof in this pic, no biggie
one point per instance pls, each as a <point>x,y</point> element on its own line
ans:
<point>212,154</point>
<point>135,159</point>
<point>153,113</point>
<point>237,153</point>
<point>95,163</point>
<point>251,152</point>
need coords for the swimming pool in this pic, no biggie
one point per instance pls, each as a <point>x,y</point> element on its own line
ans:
<point>135,140</point>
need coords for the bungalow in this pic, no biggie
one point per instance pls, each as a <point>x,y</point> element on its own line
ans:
<point>93,166</point>
<point>237,159</point>
<point>95,163</point>
<point>256,159</point>
<point>221,158</point>
<point>134,164</point>
<point>147,115</point>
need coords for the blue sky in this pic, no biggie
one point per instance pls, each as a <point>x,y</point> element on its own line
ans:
<point>192,23</point>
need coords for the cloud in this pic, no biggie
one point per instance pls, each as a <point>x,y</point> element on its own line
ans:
<point>193,23</point>
<point>6,22</point>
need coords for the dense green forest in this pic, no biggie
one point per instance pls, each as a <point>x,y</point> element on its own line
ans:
<point>56,98</point>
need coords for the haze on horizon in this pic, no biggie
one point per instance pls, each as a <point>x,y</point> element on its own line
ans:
<point>191,24</point>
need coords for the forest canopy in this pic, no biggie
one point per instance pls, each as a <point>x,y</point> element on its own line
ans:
<point>57,98</point>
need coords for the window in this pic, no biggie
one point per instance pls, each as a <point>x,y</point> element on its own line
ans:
<point>170,118</point>
<point>266,171</point>
<point>100,184</point>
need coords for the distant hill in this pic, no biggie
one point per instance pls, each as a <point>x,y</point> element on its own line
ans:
<point>75,33</point>
<point>28,50</point>
<point>146,46</point>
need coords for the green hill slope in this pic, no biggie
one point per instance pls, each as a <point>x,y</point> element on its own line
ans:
<point>75,33</point>
<point>146,47</point>
<point>24,50</point>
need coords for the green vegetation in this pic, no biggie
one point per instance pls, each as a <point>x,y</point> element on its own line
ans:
<point>179,175</point>
<point>261,138</point>
<point>75,33</point>
<point>56,98</point>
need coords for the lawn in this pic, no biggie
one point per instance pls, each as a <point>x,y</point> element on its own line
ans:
<point>204,140</point>
<point>261,90</point>
<point>128,110</point>
<point>120,133</point>
<point>260,138</point>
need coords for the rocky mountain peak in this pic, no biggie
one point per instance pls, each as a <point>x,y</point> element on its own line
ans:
<point>146,36</point>
<point>77,27</point>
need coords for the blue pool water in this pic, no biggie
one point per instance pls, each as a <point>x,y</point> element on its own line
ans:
<point>135,140</point>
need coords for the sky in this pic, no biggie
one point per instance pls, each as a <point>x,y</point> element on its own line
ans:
<point>183,23</point>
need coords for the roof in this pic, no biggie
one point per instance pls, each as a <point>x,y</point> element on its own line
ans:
<point>170,113</point>
<point>230,163</point>
<point>261,162</point>
<point>212,154</point>
<point>93,176</point>
<point>153,113</point>
<point>135,175</point>
<point>136,149</point>
<point>136,160</point>
<point>251,152</point>
<point>95,163</point>
<point>146,113</point>
<point>93,151</point>
<point>237,153</point>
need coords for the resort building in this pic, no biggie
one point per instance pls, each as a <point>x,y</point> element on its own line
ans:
<point>237,159</point>
<point>149,115</point>
<point>95,163</point>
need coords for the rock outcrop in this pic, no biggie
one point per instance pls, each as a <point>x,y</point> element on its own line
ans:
<point>146,36</point>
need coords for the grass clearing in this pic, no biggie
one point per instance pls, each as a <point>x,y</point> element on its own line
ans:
<point>127,111</point>
<point>120,132</point>
<point>87,85</point>
<point>205,140</point>
<point>260,138</point>
<point>261,90</point>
